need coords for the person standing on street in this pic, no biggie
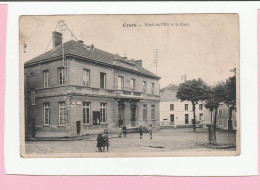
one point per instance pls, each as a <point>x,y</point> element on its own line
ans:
<point>106,140</point>
<point>120,134</point>
<point>124,131</point>
<point>151,131</point>
<point>100,142</point>
<point>141,132</point>
<point>120,123</point>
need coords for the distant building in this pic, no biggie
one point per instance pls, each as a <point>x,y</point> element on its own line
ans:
<point>76,89</point>
<point>223,116</point>
<point>175,112</point>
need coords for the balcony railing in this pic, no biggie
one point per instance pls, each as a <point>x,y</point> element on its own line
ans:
<point>90,91</point>
<point>71,89</point>
<point>137,93</point>
<point>128,94</point>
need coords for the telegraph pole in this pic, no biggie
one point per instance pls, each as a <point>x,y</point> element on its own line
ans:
<point>155,59</point>
<point>62,28</point>
<point>125,53</point>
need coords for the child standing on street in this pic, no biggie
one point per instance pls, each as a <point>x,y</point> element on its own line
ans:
<point>124,131</point>
<point>100,142</point>
<point>120,134</point>
<point>106,140</point>
<point>141,132</point>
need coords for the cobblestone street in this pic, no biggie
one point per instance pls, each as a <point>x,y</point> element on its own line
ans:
<point>165,140</point>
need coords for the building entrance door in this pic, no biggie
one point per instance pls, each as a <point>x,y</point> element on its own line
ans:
<point>96,117</point>
<point>133,118</point>
<point>33,128</point>
<point>121,114</point>
<point>172,118</point>
<point>78,128</point>
<point>186,118</point>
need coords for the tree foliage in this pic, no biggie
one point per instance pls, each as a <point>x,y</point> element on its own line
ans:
<point>230,95</point>
<point>193,91</point>
<point>216,96</point>
<point>230,98</point>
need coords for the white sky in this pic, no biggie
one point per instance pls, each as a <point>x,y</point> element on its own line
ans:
<point>208,48</point>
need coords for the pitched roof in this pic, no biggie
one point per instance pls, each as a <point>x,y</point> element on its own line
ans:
<point>171,87</point>
<point>74,48</point>
<point>169,93</point>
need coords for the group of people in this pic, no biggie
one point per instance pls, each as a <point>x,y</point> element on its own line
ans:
<point>123,131</point>
<point>103,141</point>
<point>150,130</point>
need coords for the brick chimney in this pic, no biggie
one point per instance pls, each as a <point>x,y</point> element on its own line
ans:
<point>138,62</point>
<point>56,39</point>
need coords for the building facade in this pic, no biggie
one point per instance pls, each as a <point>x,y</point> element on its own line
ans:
<point>223,117</point>
<point>174,112</point>
<point>75,89</point>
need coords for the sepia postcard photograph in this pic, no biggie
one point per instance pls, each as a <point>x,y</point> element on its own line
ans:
<point>157,85</point>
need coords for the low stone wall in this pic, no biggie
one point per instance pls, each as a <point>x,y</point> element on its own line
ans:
<point>136,130</point>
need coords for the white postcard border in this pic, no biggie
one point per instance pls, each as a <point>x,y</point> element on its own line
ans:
<point>245,164</point>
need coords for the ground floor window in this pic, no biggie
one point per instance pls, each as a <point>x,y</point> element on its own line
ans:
<point>153,112</point>
<point>46,115</point>
<point>62,113</point>
<point>144,111</point>
<point>201,116</point>
<point>220,122</point>
<point>86,112</point>
<point>232,122</point>
<point>103,107</point>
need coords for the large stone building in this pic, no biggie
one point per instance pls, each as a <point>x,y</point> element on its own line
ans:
<point>75,89</point>
<point>174,112</point>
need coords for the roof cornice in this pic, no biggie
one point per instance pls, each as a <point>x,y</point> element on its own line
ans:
<point>111,65</point>
<point>73,55</point>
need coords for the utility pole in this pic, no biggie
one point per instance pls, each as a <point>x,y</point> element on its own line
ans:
<point>71,34</point>
<point>155,59</point>
<point>184,78</point>
<point>125,52</point>
<point>62,28</point>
